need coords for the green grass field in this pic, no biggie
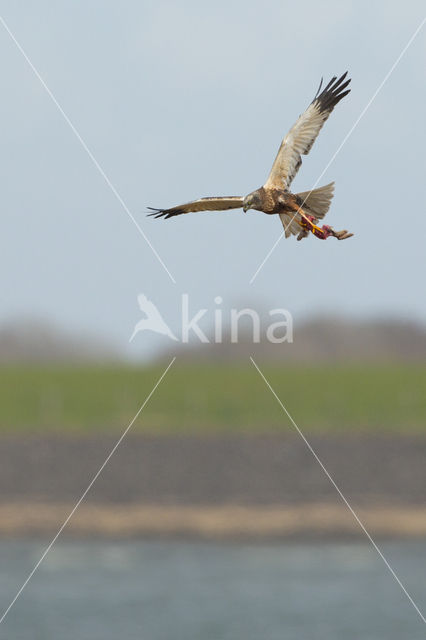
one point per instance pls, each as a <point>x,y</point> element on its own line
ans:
<point>212,398</point>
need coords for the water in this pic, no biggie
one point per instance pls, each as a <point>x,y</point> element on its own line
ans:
<point>198,591</point>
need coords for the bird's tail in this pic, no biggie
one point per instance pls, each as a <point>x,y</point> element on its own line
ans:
<point>317,202</point>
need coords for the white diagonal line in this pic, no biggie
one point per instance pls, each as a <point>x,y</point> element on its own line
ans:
<point>345,139</point>
<point>92,482</point>
<point>271,250</point>
<point>314,453</point>
<point>86,148</point>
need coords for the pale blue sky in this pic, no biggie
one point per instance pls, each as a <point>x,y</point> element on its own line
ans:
<point>178,100</point>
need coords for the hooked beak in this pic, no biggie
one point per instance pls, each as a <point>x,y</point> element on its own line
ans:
<point>246,208</point>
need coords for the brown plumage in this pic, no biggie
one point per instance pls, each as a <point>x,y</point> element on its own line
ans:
<point>298,212</point>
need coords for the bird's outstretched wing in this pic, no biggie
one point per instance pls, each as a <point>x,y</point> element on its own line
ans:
<point>202,204</point>
<point>303,133</point>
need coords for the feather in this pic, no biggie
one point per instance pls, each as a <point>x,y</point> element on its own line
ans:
<point>317,202</point>
<point>302,135</point>
<point>202,204</point>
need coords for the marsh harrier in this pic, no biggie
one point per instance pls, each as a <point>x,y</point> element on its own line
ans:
<point>299,212</point>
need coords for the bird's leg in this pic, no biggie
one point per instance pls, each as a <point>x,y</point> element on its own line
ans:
<point>307,223</point>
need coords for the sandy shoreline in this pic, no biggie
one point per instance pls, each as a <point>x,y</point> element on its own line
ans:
<point>230,522</point>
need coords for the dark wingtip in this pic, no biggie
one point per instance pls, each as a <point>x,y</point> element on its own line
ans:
<point>162,213</point>
<point>156,213</point>
<point>319,88</point>
<point>333,92</point>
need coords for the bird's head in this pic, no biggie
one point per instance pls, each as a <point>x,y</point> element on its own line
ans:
<point>252,201</point>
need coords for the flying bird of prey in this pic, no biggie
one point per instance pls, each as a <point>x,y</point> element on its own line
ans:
<point>299,212</point>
